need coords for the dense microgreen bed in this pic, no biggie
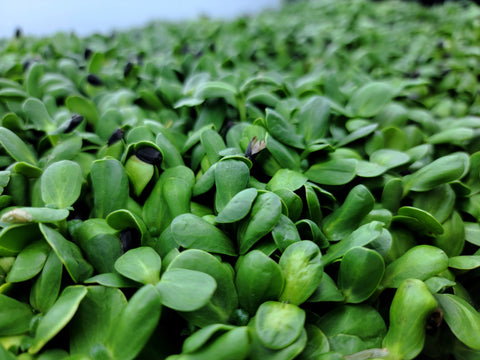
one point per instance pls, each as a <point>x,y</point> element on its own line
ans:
<point>304,184</point>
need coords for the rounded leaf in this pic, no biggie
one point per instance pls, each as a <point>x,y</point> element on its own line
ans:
<point>462,319</point>
<point>360,273</point>
<point>185,290</point>
<point>141,264</point>
<point>258,279</point>
<point>193,232</point>
<point>61,183</point>
<point>302,269</point>
<point>278,324</point>
<point>420,262</point>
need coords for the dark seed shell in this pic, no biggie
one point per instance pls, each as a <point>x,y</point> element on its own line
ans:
<point>128,69</point>
<point>87,53</point>
<point>94,80</point>
<point>149,155</point>
<point>74,122</point>
<point>130,239</point>
<point>116,136</point>
<point>254,147</point>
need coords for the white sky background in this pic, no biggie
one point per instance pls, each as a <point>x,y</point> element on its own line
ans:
<point>45,17</point>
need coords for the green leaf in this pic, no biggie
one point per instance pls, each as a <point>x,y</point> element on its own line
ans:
<point>198,339</point>
<point>61,184</point>
<point>302,269</point>
<point>83,106</point>
<point>286,179</point>
<point>231,345</point>
<point>278,324</point>
<point>95,316</point>
<point>258,279</point>
<point>465,262</point>
<point>238,207</point>
<point>346,218</point>
<point>457,135</point>
<point>452,241</point>
<point>317,343</point>
<point>360,320</point>
<point>134,324</point>
<point>109,185</point>
<point>37,113</point>
<point>462,319</point>
<point>361,270</point>
<point>213,143</point>
<point>313,118</point>
<point>282,130</point>
<point>214,89</point>
<point>193,232</point>
<point>141,264</point>
<point>46,288</point>
<point>15,316</point>
<point>29,262</point>
<point>265,213</point>
<point>35,73</point>
<point>439,202</point>
<point>139,172</point>
<point>420,262</point>
<point>356,135</point>
<point>418,220</point>
<point>231,177</point>
<point>224,301</point>
<point>31,214</point>
<point>16,148</point>
<point>333,172</point>
<point>389,158</point>
<point>285,156</point>
<point>7,355</point>
<point>177,189</point>
<point>185,290</point>
<point>259,351</point>
<point>57,316</point>
<point>69,254</point>
<point>362,236</point>
<point>285,233</point>
<point>112,280</point>
<point>441,171</point>
<point>327,290</point>
<point>171,154</point>
<point>410,308</point>
<point>370,99</point>
<point>472,233</point>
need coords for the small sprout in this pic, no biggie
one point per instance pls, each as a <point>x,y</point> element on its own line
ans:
<point>74,122</point>
<point>254,147</point>
<point>149,155</point>
<point>116,136</point>
<point>94,80</point>
<point>16,216</point>
<point>130,239</point>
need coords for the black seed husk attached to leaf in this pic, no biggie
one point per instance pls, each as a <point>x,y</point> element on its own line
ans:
<point>254,147</point>
<point>87,53</point>
<point>128,69</point>
<point>130,239</point>
<point>116,136</point>
<point>149,155</point>
<point>94,80</point>
<point>74,122</point>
